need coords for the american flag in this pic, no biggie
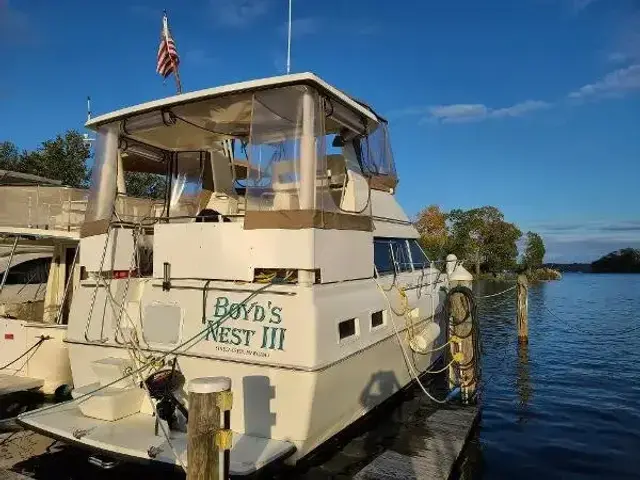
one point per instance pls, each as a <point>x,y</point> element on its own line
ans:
<point>168,59</point>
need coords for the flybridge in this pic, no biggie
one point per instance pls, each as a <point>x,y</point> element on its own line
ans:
<point>236,88</point>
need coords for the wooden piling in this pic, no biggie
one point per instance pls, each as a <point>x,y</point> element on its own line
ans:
<point>523,309</point>
<point>460,309</point>
<point>208,397</point>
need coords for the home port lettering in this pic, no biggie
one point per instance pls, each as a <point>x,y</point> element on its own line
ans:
<point>260,332</point>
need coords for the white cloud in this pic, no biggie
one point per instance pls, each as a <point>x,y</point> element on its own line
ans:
<point>616,83</point>
<point>520,109</point>
<point>238,13</point>
<point>471,112</point>
<point>460,112</point>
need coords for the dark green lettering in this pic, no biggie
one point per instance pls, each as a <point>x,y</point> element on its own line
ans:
<point>275,312</point>
<point>258,313</point>
<point>212,331</point>
<point>282,330</point>
<point>224,331</point>
<point>235,333</point>
<point>250,333</point>
<point>221,305</point>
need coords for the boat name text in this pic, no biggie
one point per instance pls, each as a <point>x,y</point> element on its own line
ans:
<point>266,337</point>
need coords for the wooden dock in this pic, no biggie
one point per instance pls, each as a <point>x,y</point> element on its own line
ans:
<point>9,475</point>
<point>18,446</point>
<point>427,448</point>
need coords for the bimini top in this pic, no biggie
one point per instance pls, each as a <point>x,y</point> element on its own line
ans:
<point>306,78</point>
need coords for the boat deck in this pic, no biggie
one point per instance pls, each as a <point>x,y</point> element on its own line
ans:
<point>133,437</point>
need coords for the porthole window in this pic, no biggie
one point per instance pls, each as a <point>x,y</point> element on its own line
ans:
<point>377,319</point>
<point>347,328</point>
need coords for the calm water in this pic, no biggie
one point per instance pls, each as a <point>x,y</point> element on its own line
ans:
<point>568,406</point>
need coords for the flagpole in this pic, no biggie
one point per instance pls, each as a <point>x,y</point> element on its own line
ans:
<point>176,73</point>
<point>289,41</point>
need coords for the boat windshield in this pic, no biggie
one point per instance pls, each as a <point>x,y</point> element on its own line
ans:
<point>292,156</point>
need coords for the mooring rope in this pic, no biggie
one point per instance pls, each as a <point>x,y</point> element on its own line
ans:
<point>26,352</point>
<point>498,304</point>
<point>482,297</point>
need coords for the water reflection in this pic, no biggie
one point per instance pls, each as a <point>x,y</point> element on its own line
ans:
<point>523,382</point>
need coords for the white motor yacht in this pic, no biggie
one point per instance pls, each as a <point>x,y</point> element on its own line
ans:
<point>279,257</point>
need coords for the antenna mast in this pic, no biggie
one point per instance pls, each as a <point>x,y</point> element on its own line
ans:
<point>289,41</point>
<point>86,138</point>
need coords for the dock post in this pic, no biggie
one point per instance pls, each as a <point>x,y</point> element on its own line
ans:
<point>208,397</point>
<point>461,312</point>
<point>523,309</point>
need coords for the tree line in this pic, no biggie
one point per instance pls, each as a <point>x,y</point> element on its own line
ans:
<point>63,158</point>
<point>479,236</point>
<point>67,158</point>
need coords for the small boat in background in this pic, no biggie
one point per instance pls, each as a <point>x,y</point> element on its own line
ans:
<point>39,233</point>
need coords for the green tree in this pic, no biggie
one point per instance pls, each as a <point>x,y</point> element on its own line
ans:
<point>482,237</point>
<point>431,223</point>
<point>63,158</point>
<point>534,251</point>
<point>500,247</point>
<point>9,157</point>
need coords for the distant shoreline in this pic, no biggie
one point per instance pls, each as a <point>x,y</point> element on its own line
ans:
<point>626,260</point>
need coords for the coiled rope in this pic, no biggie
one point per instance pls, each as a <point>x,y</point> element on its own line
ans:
<point>472,364</point>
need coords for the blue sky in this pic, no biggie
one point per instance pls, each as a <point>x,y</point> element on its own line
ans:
<point>532,106</point>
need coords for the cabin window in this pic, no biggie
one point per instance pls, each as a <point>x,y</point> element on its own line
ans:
<point>377,319</point>
<point>391,255</point>
<point>382,256</point>
<point>418,257</point>
<point>347,328</point>
<point>400,253</point>
<point>32,272</point>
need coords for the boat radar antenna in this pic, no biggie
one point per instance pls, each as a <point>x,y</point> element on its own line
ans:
<point>88,141</point>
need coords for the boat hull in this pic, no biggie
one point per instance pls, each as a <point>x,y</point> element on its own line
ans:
<point>268,401</point>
